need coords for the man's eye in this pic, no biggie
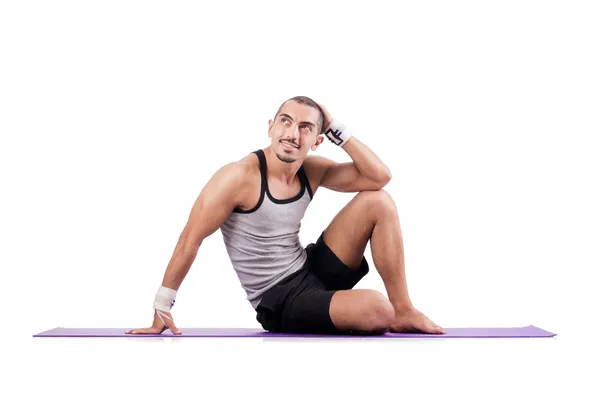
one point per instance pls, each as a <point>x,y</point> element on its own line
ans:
<point>307,126</point>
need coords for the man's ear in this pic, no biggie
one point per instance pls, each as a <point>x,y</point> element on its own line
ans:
<point>320,140</point>
<point>270,125</point>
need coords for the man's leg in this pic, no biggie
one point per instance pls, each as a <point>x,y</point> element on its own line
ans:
<point>372,216</point>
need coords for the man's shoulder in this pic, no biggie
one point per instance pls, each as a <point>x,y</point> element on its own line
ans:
<point>316,165</point>
<point>243,170</point>
<point>248,165</point>
<point>316,161</point>
<point>249,161</point>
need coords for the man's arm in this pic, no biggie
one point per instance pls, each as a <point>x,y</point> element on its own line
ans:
<point>216,201</point>
<point>365,172</point>
<point>222,193</point>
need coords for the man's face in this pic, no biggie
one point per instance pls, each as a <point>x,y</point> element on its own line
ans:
<point>294,131</point>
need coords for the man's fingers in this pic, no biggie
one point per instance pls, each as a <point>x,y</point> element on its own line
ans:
<point>168,322</point>
<point>173,328</point>
<point>162,321</point>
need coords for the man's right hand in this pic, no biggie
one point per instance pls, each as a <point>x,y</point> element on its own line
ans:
<point>157,326</point>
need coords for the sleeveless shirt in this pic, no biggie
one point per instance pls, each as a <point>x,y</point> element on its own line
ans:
<point>263,243</point>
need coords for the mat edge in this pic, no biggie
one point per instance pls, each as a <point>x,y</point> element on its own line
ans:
<point>263,334</point>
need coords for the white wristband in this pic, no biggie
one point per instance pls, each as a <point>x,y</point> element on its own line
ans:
<point>165,299</point>
<point>338,133</point>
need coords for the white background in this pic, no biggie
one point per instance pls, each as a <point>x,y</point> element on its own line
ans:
<point>114,115</point>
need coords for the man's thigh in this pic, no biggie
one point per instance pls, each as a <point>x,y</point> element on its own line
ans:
<point>307,309</point>
<point>331,270</point>
<point>314,309</point>
<point>350,230</point>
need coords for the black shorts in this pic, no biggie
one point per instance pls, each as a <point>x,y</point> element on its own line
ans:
<point>300,302</point>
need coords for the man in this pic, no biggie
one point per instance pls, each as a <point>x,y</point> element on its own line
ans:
<point>258,203</point>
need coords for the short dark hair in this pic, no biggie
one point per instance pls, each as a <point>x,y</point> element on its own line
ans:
<point>304,100</point>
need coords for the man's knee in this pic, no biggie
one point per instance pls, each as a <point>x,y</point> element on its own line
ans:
<point>378,200</point>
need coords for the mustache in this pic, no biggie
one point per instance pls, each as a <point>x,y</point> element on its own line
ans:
<point>291,143</point>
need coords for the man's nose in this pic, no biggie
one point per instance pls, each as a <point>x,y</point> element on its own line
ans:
<point>293,134</point>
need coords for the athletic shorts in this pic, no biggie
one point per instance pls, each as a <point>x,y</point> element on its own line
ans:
<point>300,302</point>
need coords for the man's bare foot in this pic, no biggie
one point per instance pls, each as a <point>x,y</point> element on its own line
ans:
<point>413,321</point>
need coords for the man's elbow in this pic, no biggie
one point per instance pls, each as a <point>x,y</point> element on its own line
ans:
<point>385,178</point>
<point>190,241</point>
<point>192,246</point>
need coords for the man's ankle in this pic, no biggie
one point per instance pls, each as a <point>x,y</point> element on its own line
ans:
<point>403,308</point>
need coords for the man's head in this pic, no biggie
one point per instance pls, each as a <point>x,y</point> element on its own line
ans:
<point>299,123</point>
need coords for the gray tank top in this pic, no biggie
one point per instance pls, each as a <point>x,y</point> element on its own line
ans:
<point>263,243</point>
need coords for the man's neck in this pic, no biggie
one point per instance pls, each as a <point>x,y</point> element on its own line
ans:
<point>280,170</point>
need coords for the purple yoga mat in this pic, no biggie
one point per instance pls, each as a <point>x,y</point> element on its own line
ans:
<point>518,332</point>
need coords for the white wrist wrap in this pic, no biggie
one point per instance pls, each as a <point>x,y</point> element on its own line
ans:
<point>165,299</point>
<point>338,133</point>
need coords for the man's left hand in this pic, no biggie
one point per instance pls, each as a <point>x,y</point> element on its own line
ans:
<point>327,117</point>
